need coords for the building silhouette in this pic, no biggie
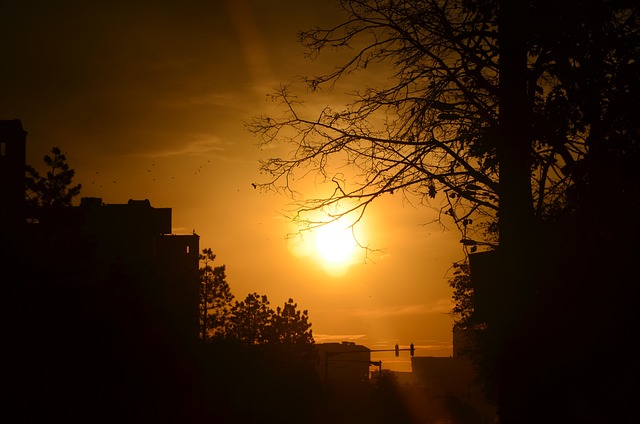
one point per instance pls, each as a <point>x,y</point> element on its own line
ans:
<point>90,240</point>
<point>343,367</point>
<point>101,301</point>
<point>343,370</point>
<point>13,147</point>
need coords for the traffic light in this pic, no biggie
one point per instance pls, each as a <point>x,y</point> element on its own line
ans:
<point>397,350</point>
<point>411,349</point>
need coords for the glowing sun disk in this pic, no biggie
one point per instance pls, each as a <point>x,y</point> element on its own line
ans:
<point>335,244</point>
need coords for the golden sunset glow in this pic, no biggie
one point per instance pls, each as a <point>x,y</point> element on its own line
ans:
<point>160,114</point>
<point>335,246</point>
<point>335,243</point>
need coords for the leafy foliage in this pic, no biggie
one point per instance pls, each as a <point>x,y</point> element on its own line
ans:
<point>462,295</point>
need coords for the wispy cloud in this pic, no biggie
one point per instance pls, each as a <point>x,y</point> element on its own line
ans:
<point>383,343</point>
<point>439,307</point>
<point>199,100</point>
<point>432,345</point>
<point>336,338</point>
<point>252,43</point>
<point>200,144</point>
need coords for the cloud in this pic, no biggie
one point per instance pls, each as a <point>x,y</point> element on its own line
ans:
<point>252,43</point>
<point>337,338</point>
<point>226,99</point>
<point>383,343</point>
<point>440,306</point>
<point>432,345</point>
<point>199,145</point>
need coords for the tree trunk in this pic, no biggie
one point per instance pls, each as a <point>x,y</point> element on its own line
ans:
<point>515,217</point>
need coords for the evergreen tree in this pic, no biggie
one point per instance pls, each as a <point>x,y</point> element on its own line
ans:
<point>250,320</point>
<point>291,326</point>
<point>54,189</point>
<point>215,297</point>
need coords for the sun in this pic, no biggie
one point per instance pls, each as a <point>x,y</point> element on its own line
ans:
<point>335,244</point>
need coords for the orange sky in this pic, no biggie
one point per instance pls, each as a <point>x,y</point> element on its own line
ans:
<point>148,99</point>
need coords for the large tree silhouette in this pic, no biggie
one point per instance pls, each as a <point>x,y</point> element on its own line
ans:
<point>435,126</point>
<point>520,122</point>
<point>253,322</point>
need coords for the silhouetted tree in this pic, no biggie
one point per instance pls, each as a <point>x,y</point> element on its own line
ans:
<point>520,117</point>
<point>250,320</point>
<point>289,325</point>
<point>290,333</point>
<point>262,370</point>
<point>54,189</point>
<point>462,295</point>
<point>433,125</point>
<point>215,297</point>
<point>429,129</point>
